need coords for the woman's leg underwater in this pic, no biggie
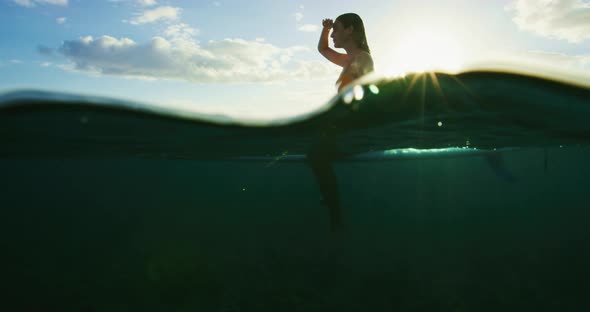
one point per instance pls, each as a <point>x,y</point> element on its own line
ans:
<point>320,160</point>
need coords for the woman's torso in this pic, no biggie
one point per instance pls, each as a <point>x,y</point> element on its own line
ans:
<point>359,66</point>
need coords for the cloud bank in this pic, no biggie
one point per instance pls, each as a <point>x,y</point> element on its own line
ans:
<point>560,19</point>
<point>224,61</point>
<point>176,54</point>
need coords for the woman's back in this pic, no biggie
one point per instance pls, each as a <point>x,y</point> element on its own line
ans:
<point>359,66</point>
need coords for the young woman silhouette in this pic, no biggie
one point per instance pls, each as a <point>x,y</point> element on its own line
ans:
<point>349,34</point>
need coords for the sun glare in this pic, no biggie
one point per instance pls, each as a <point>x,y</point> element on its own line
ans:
<point>425,50</point>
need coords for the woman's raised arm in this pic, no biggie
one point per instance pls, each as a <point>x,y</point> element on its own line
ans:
<point>324,48</point>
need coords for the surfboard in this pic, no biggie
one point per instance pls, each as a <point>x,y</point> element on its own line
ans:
<point>388,155</point>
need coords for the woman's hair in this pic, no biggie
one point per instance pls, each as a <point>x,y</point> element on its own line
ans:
<point>358,29</point>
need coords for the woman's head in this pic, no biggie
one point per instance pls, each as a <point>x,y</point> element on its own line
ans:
<point>353,23</point>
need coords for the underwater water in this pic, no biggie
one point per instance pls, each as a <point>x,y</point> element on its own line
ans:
<point>463,193</point>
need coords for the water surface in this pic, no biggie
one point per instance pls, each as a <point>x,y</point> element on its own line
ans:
<point>461,193</point>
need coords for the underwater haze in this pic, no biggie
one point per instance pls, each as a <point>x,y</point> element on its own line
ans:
<point>463,192</point>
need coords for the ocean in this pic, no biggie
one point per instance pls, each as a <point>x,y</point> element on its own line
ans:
<point>463,192</point>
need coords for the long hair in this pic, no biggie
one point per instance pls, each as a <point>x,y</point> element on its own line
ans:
<point>358,29</point>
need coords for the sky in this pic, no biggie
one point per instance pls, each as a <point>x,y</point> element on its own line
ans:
<point>259,58</point>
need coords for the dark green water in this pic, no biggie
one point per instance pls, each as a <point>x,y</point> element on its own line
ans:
<point>128,211</point>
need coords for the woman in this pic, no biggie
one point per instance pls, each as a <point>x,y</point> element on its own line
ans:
<point>349,34</point>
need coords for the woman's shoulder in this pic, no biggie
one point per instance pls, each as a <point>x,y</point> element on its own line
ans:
<point>364,54</point>
<point>364,60</point>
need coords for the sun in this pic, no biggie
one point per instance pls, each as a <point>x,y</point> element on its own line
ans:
<point>422,50</point>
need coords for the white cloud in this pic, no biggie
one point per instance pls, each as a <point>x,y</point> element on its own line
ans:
<point>298,16</point>
<point>26,3</point>
<point>560,60</point>
<point>15,61</point>
<point>308,28</point>
<point>560,19</point>
<point>225,61</point>
<point>32,3</point>
<point>147,2</point>
<point>217,3</point>
<point>143,3</point>
<point>304,27</point>
<point>181,32</point>
<point>542,63</point>
<point>157,14</point>
<point>45,64</point>
<point>60,20</point>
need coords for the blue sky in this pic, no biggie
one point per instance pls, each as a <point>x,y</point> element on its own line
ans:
<point>259,58</point>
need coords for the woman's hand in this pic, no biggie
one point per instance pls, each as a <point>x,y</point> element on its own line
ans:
<point>327,23</point>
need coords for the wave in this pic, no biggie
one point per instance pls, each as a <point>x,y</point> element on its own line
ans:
<point>481,109</point>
